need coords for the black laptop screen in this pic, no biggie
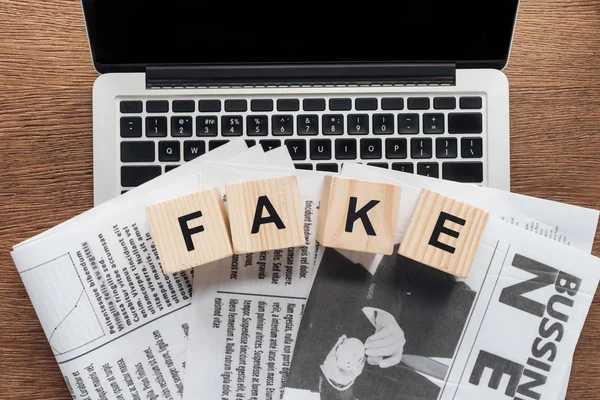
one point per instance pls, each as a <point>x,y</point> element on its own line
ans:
<point>132,33</point>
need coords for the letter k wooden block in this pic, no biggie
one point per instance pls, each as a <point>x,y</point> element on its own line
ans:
<point>190,230</point>
<point>358,215</point>
<point>265,214</point>
<point>444,233</point>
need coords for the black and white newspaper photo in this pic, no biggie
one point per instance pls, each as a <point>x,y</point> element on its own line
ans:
<point>367,336</point>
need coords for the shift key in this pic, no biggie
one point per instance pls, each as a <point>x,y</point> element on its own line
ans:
<point>466,172</point>
<point>465,123</point>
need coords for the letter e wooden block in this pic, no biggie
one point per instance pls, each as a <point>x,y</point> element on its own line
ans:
<point>265,214</point>
<point>190,230</point>
<point>358,215</point>
<point>444,233</point>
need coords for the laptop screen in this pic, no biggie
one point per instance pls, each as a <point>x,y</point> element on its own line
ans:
<point>127,35</point>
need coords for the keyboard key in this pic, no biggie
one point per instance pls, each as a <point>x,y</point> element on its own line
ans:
<point>467,172</point>
<point>250,143</point>
<point>207,125</point>
<point>193,149</point>
<point>433,123</point>
<point>320,149</point>
<point>340,104</point>
<point>395,148</point>
<point>288,105</point>
<point>308,167</point>
<point>296,148</point>
<point>156,126</point>
<point>465,123</point>
<point>345,149</point>
<point>236,105</point>
<point>308,125</point>
<point>444,103</point>
<point>181,126</point>
<point>209,105</point>
<point>258,125</point>
<point>157,106</point>
<point>418,103</point>
<point>135,176</point>
<point>421,148</point>
<point>446,148</point>
<point>408,124</point>
<point>170,167</point>
<point>404,167</point>
<point>358,124</point>
<point>327,167</point>
<point>270,144</point>
<point>232,125</point>
<point>365,104</point>
<point>261,105</point>
<point>379,164</point>
<point>313,104</point>
<point>283,125</point>
<point>333,124</point>
<point>471,103</point>
<point>131,127</point>
<point>428,169</point>
<point>184,106</point>
<point>471,147</point>
<point>137,152</point>
<point>392,103</point>
<point>169,151</point>
<point>370,149</point>
<point>131,107</point>
<point>383,124</point>
<point>213,144</point>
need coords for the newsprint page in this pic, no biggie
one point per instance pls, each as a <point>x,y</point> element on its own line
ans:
<point>246,310</point>
<point>117,325</point>
<point>404,330</point>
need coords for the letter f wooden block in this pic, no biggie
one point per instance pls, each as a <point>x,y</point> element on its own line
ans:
<point>265,214</point>
<point>444,233</point>
<point>190,230</point>
<point>358,215</point>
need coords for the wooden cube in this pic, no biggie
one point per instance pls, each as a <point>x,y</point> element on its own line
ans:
<point>358,215</point>
<point>444,233</point>
<point>265,214</point>
<point>190,230</point>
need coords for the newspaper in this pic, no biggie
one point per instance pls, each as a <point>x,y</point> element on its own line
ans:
<point>246,310</point>
<point>116,324</point>
<point>568,224</point>
<point>405,330</point>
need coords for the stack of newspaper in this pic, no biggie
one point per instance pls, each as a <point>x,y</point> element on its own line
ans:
<point>312,322</point>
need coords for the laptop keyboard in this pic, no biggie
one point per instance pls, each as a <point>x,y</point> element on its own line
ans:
<point>437,136</point>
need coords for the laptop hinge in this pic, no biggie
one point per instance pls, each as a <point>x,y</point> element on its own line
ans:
<point>300,75</point>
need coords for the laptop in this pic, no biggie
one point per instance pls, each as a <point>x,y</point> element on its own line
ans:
<point>415,87</point>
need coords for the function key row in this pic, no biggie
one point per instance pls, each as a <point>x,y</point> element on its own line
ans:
<point>309,104</point>
<point>306,125</point>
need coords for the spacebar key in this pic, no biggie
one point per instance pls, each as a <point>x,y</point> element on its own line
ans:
<point>135,176</point>
<point>467,172</point>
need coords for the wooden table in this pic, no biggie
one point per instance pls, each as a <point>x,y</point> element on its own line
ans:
<point>46,80</point>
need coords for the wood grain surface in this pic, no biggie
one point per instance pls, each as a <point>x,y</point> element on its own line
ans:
<point>46,79</point>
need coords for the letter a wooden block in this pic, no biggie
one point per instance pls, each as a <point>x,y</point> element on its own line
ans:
<point>190,230</point>
<point>444,233</point>
<point>265,214</point>
<point>358,215</point>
